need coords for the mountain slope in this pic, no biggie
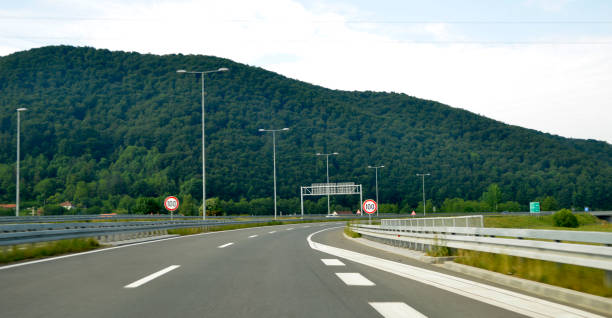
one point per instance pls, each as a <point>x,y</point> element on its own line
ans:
<point>102,125</point>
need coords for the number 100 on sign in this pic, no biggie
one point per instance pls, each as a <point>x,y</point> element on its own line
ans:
<point>370,206</point>
<point>171,203</point>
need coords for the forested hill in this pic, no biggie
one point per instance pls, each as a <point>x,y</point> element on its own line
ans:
<point>107,127</point>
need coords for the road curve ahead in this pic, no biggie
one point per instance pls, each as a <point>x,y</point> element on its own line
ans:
<point>282,271</point>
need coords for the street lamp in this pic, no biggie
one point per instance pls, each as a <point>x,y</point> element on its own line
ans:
<point>19,110</point>
<point>423,175</point>
<point>376,169</point>
<point>274,158</point>
<point>222,69</point>
<point>327,165</point>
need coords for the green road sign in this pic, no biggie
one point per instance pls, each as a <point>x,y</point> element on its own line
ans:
<point>534,207</point>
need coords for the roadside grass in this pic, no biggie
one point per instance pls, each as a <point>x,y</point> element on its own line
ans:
<point>350,233</point>
<point>16,253</point>
<point>579,278</point>
<point>587,222</point>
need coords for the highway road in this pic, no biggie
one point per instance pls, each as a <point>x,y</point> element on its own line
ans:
<point>300,270</point>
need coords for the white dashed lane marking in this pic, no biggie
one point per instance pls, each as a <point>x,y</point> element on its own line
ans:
<point>396,310</point>
<point>252,236</point>
<point>355,279</point>
<point>272,232</point>
<point>225,245</point>
<point>151,277</point>
<point>332,262</point>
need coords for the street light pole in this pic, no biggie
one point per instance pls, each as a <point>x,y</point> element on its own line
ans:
<point>423,175</point>
<point>376,170</point>
<point>222,69</point>
<point>19,110</point>
<point>327,168</point>
<point>274,158</point>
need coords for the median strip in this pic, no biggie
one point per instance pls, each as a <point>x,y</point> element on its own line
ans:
<point>151,277</point>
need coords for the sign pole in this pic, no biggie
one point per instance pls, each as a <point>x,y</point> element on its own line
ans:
<point>369,206</point>
<point>171,204</point>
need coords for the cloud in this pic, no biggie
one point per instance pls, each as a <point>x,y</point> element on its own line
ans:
<point>562,89</point>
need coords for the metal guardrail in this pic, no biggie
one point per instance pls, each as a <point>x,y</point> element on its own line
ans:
<point>15,234</point>
<point>22,233</point>
<point>96,217</point>
<point>516,242</point>
<point>459,221</point>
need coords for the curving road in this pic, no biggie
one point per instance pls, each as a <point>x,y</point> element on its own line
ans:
<point>301,270</point>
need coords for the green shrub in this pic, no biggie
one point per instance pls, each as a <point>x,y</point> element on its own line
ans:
<point>565,218</point>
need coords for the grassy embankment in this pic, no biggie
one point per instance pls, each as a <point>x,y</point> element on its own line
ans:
<point>583,279</point>
<point>16,253</point>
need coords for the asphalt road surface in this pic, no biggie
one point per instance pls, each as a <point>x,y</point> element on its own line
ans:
<point>300,270</point>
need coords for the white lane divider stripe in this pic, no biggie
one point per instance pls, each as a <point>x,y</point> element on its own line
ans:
<point>307,226</point>
<point>289,229</point>
<point>396,310</point>
<point>225,245</point>
<point>252,236</point>
<point>332,262</point>
<point>272,232</point>
<point>151,277</point>
<point>355,279</point>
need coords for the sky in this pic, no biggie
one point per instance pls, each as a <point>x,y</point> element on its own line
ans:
<point>540,64</point>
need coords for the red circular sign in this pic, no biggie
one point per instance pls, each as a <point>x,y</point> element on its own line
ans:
<point>171,203</point>
<point>369,206</point>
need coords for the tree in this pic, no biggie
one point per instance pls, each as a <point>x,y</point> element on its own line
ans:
<point>45,188</point>
<point>146,206</point>
<point>549,204</point>
<point>188,206</point>
<point>565,218</point>
<point>492,196</point>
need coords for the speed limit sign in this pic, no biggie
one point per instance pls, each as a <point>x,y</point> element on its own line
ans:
<point>370,206</point>
<point>171,203</point>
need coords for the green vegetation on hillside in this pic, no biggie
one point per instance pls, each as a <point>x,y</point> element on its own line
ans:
<point>117,131</point>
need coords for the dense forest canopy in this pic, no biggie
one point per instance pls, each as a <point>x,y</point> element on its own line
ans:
<point>110,129</point>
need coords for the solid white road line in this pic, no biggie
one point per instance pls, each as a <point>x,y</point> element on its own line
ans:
<point>225,245</point>
<point>332,262</point>
<point>509,300</point>
<point>354,279</point>
<point>151,277</point>
<point>272,232</point>
<point>252,236</point>
<point>396,310</point>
